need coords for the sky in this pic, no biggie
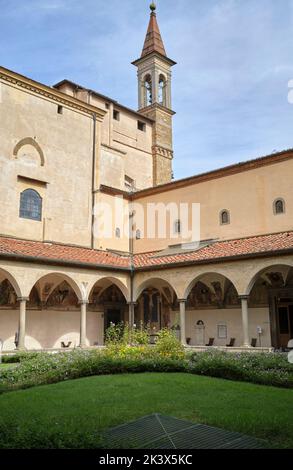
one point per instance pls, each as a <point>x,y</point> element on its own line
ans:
<point>230,85</point>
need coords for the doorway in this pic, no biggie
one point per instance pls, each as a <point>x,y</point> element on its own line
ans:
<point>114,316</point>
<point>285,323</point>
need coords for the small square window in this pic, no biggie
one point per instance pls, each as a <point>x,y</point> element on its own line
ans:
<point>107,106</point>
<point>141,126</point>
<point>60,109</point>
<point>116,115</point>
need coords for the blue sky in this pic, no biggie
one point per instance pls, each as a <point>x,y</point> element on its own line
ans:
<point>230,87</point>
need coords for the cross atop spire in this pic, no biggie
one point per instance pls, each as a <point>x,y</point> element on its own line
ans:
<point>153,41</point>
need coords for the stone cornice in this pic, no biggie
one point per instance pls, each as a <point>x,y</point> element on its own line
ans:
<point>49,93</point>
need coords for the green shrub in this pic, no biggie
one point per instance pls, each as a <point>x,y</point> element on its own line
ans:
<point>122,335</point>
<point>261,368</point>
<point>52,368</point>
<point>168,345</point>
<point>166,356</point>
<point>20,356</point>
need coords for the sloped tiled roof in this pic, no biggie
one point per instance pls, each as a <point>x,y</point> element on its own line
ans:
<point>220,251</point>
<point>215,252</point>
<point>153,41</point>
<point>65,253</point>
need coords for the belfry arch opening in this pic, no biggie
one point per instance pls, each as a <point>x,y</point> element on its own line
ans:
<point>162,94</point>
<point>147,90</point>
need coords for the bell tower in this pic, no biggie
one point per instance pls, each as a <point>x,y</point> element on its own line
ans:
<point>154,98</point>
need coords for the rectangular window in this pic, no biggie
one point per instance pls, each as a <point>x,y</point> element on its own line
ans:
<point>60,109</point>
<point>129,183</point>
<point>141,126</point>
<point>107,106</point>
<point>116,115</point>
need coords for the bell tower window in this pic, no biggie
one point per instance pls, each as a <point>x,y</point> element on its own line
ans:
<point>162,90</point>
<point>148,95</point>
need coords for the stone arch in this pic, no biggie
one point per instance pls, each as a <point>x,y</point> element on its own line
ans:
<point>261,270</point>
<point>110,280</point>
<point>162,89</point>
<point>200,276</point>
<point>147,85</point>
<point>151,282</point>
<point>61,277</point>
<point>33,143</point>
<point>6,275</point>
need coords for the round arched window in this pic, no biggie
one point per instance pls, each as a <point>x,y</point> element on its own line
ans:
<point>30,205</point>
<point>225,217</point>
<point>279,206</point>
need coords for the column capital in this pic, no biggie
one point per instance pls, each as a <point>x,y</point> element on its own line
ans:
<point>23,299</point>
<point>243,297</point>
<point>132,303</point>
<point>83,302</point>
<point>182,301</point>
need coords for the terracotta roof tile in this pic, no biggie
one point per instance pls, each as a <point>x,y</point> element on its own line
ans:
<point>215,251</point>
<point>57,252</point>
<point>221,249</point>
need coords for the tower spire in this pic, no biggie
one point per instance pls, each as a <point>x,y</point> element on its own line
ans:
<point>154,98</point>
<point>153,41</point>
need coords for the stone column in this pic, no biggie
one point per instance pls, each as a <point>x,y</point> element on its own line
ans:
<point>182,303</point>
<point>22,320</point>
<point>131,319</point>
<point>245,323</point>
<point>83,316</point>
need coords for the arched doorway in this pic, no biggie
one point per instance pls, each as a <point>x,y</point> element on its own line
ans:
<point>107,301</point>
<point>272,290</point>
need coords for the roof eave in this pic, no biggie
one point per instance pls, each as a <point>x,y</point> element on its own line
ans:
<point>154,53</point>
<point>62,262</point>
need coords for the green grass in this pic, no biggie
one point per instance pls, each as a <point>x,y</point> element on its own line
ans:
<point>72,414</point>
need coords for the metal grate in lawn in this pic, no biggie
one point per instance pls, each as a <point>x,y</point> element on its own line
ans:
<point>164,432</point>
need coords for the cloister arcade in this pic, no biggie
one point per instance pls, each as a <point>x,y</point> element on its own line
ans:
<point>251,302</point>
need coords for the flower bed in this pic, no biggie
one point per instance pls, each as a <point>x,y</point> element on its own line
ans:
<point>129,353</point>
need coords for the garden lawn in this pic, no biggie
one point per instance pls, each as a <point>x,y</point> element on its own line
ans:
<point>72,414</point>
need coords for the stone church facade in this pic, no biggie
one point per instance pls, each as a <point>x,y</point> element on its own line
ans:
<point>66,151</point>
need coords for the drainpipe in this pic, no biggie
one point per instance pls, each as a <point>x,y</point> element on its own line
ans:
<point>93,180</point>
<point>131,215</point>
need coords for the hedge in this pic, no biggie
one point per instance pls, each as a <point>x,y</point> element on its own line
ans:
<point>44,368</point>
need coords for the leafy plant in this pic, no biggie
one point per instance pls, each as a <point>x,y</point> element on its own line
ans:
<point>168,345</point>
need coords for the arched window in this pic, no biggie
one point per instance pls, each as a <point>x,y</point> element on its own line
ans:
<point>118,232</point>
<point>148,95</point>
<point>225,217</point>
<point>138,234</point>
<point>177,227</point>
<point>162,90</point>
<point>30,205</point>
<point>279,206</point>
